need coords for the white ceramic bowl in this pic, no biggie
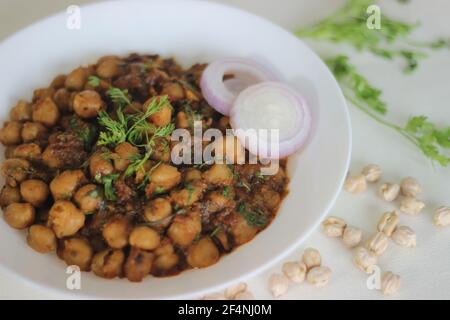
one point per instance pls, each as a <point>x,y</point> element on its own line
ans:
<point>192,32</point>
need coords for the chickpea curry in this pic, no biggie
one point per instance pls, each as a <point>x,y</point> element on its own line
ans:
<point>88,173</point>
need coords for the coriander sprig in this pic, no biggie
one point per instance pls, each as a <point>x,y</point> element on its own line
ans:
<point>349,25</point>
<point>425,135</point>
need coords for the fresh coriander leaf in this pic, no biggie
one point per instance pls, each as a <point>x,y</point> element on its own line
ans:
<point>254,219</point>
<point>94,81</point>
<point>119,97</point>
<point>226,191</point>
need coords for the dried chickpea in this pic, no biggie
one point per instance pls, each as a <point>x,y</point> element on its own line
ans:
<point>364,259</point>
<point>34,191</point>
<point>278,285</point>
<point>389,191</point>
<point>378,243</point>
<point>319,276</point>
<point>65,219</point>
<point>411,206</point>
<point>116,232</point>
<point>108,263</point>
<point>245,295</point>
<point>333,227</point>
<point>19,215</point>
<point>63,186</point>
<point>88,104</point>
<point>355,184</point>
<point>203,253</point>
<point>232,291</point>
<point>441,217</point>
<point>352,237</point>
<point>405,237</point>
<point>410,187</point>
<point>372,172</point>
<point>145,238</point>
<point>388,223</point>
<point>138,264</point>
<point>46,112</point>
<point>390,283</point>
<point>294,271</point>
<point>10,134</point>
<point>77,251</point>
<point>311,258</point>
<point>41,239</point>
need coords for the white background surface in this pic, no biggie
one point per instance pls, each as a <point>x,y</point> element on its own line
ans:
<point>425,270</point>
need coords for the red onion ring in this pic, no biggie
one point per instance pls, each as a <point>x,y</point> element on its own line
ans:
<point>271,105</point>
<point>221,94</point>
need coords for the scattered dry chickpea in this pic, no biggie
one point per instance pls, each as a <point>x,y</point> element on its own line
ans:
<point>231,292</point>
<point>390,283</point>
<point>405,237</point>
<point>245,295</point>
<point>410,187</point>
<point>378,243</point>
<point>311,258</point>
<point>388,223</point>
<point>355,184</point>
<point>441,217</point>
<point>411,206</point>
<point>319,276</point>
<point>294,271</point>
<point>352,236</point>
<point>372,172</point>
<point>214,296</point>
<point>389,191</point>
<point>278,284</point>
<point>364,259</point>
<point>333,227</point>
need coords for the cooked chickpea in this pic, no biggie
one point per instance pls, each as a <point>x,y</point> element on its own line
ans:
<point>76,79</point>
<point>77,251</point>
<point>9,195</point>
<point>157,210</point>
<point>19,215</point>
<point>51,159</point>
<point>116,232</point>
<point>32,131</point>
<point>65,219</point>
<point>218,174</point>
<point>145,238</point>
<point>10,134</point>
<point>229,148</point>
<point>181,120</point>
<point>98,164</point>
<point>138,264</point>
<point>166,262</point>
<point>241,231</point>
<point>88,104</point>
<point>42,93</point>
<point>192,175</point>
<point>88,198</point>
<point>203,253</point>
<point>9,152</point>
<point>163,178</point>
<point>124,153</point>
<point>108,67</point>
<point>188,195</point>
<point>34,191</point>
<point>185,228</point>
<point>63,186</point>
<point>41,239</point>
<point>64,99</point>
<point>46,112</point>
<point>15,170</point>
<point>217,201</point>
<point>30,151</point>
<point>21,111</point>
<point>58,81</point>
<point>160,118</point>
<point>174,90</point>
<point>108,263</point>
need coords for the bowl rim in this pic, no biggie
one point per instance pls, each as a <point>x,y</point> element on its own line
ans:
<point>269,263</point>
